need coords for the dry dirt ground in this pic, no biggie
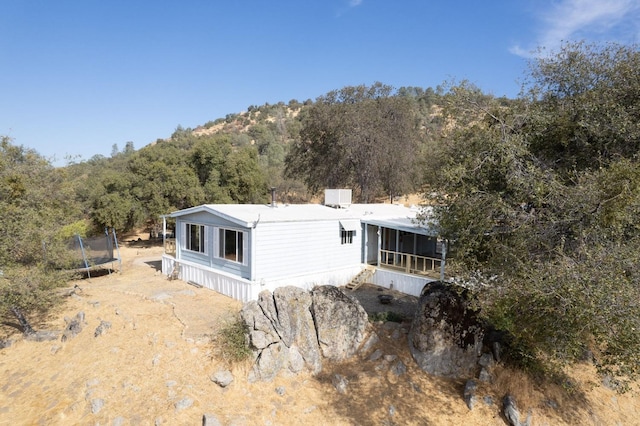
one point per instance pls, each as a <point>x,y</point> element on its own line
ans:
<point>153,366</point>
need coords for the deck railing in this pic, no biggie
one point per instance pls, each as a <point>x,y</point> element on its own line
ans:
<point>170,246</point>
<point>409,263</point>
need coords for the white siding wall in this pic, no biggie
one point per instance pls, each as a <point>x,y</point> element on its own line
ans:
<point>209,259</point>
<point>290,249</point>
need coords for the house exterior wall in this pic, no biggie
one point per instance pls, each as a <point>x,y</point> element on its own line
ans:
<point>287,249</point>
<point>210,258</point>
<point>290,249</point>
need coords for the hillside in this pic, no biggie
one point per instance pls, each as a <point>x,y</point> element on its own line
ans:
<point>153,366</point>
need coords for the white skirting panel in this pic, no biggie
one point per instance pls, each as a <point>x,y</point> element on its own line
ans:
<point>405,283</point>
<point>245,290</point>
<point>227,284</point>
<point>167,264</point>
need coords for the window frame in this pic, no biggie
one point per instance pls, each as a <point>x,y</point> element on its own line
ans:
<point>346,237</point>
<point>239,246</point>
<point>201,235</point>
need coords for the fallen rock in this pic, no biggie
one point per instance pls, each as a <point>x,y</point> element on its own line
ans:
<point>399,368</point>
<point>102,328</point>
<point>470,394</point>
<point>183,404</point>
<point>97,405</point>
<point>340,383</point>
<point>74,326</point>
<point>486,360</point>
<point>485,376</point>
<point>371,341</point>
<point>222,378</point>
<point>376,355</point>
<point>511,412</point>
<point>210,420</point>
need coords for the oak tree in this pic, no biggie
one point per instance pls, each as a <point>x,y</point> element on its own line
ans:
<point>362,137</point>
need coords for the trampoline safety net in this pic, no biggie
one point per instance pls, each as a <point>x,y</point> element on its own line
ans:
<point>94,252</point>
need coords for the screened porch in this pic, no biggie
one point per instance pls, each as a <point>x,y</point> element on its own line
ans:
<point>405,251</point>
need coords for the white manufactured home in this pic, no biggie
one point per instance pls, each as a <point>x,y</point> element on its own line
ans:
<point>241,249</point>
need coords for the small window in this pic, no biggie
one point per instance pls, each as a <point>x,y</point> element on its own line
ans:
<point>347,236</point>
<point>231,245</point>
<point>195,238</point>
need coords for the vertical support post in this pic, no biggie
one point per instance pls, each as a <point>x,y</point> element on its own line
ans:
<point>109,247</point>
<point>115,241</point>
<point>164,233</point>
<point>365,239</point>
<point>84,256</point>
<point>397,255</point>
<point>379,244</point>
<point>443,259</point>
<point>251,250</point>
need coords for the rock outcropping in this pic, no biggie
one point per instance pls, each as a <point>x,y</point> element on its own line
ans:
<point>446,337</point>
<point>293,329</point>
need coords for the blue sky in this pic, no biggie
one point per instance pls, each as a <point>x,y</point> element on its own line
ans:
<point>80,76</point>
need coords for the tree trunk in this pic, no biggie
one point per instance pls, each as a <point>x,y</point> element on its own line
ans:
<point>24,323</point>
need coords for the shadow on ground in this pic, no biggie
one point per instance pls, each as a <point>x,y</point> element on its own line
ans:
<point>155,264</point>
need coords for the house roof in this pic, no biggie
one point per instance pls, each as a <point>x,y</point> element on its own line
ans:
<point>250,215</point>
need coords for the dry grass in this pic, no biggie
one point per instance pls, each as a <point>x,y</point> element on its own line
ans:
<point>159,351</point>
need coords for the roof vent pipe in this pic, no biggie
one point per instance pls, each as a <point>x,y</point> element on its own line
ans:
<point>273,196</point>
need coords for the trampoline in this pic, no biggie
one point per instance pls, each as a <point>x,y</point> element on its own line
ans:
<point>97,252</point>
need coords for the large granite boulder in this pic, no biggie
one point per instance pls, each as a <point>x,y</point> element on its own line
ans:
<point>289,310</point>
<point>341,322</point>
<point>293,329</point>
<point>446,337</point>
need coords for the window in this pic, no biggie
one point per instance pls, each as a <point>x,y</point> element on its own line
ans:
<point>348,229</point>
<point>195,238</point>
<point>231,245</point>
<point>347,236</point>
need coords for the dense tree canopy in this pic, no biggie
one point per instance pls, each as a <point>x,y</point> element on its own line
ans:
<point>135,188</point>
<point>34,206</point>
<point>358,137</point>
<point>586,105</point>
<point>540,200</point>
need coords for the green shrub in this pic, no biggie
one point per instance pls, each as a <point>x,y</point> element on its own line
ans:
<point>387,316</point>
<point>233,342</point>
